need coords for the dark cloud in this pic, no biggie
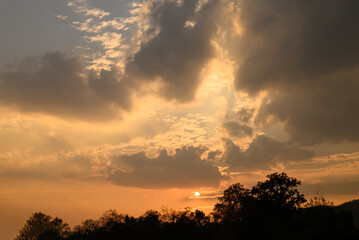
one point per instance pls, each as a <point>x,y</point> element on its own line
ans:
<point>111,87</point>
<point>184,169</point>
<point>213,155</point>
<point>306,54</point>
<point>337,188</point>
<point>262,153</point>
<point>235,129</point>
<point>56,84</point>
<point>318,112</point>
<point>245,114</point>
<point>177,54</point>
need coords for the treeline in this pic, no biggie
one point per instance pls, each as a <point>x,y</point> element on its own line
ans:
<point>273,209</point>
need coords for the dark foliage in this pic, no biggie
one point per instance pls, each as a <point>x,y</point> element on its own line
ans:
<point>273,209</point>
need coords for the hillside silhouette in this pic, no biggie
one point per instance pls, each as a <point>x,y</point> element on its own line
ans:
<point>353,207</point>
<point>273,209</point>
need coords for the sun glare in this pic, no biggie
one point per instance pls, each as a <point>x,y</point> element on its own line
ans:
<point>197,194</point>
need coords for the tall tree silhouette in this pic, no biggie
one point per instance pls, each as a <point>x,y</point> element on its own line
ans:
<point>262,211</point>
<point>279,191</point>
<point>232,206</point>
<point>277,194</point>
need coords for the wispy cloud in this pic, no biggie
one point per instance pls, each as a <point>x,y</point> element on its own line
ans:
<point>81,6</point>
<point>62,17</point>
<point>104,51</point>
<point>59,16</point>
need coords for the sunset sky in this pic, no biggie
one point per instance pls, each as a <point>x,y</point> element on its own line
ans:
<point>137,105</point>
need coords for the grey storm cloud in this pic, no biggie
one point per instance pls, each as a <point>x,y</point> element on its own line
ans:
<point>306,55</point>
<point>184,169</point>
<point>262,153</point>
<point>235,129</point>
<point>178,53</point>
<point>56,84</point>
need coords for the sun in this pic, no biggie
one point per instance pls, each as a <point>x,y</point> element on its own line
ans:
<point>197,194</point>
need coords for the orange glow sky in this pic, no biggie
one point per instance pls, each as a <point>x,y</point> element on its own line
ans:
<point>137,105</point>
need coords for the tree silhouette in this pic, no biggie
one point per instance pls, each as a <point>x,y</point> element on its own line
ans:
<point>276,201</point>
<point>279,191</point>
<point>151,217</point>
<point>42,226</point>
<point>232,205</point>
<point>277,194</point>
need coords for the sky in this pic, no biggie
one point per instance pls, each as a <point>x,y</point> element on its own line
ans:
<point>137,105</point>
